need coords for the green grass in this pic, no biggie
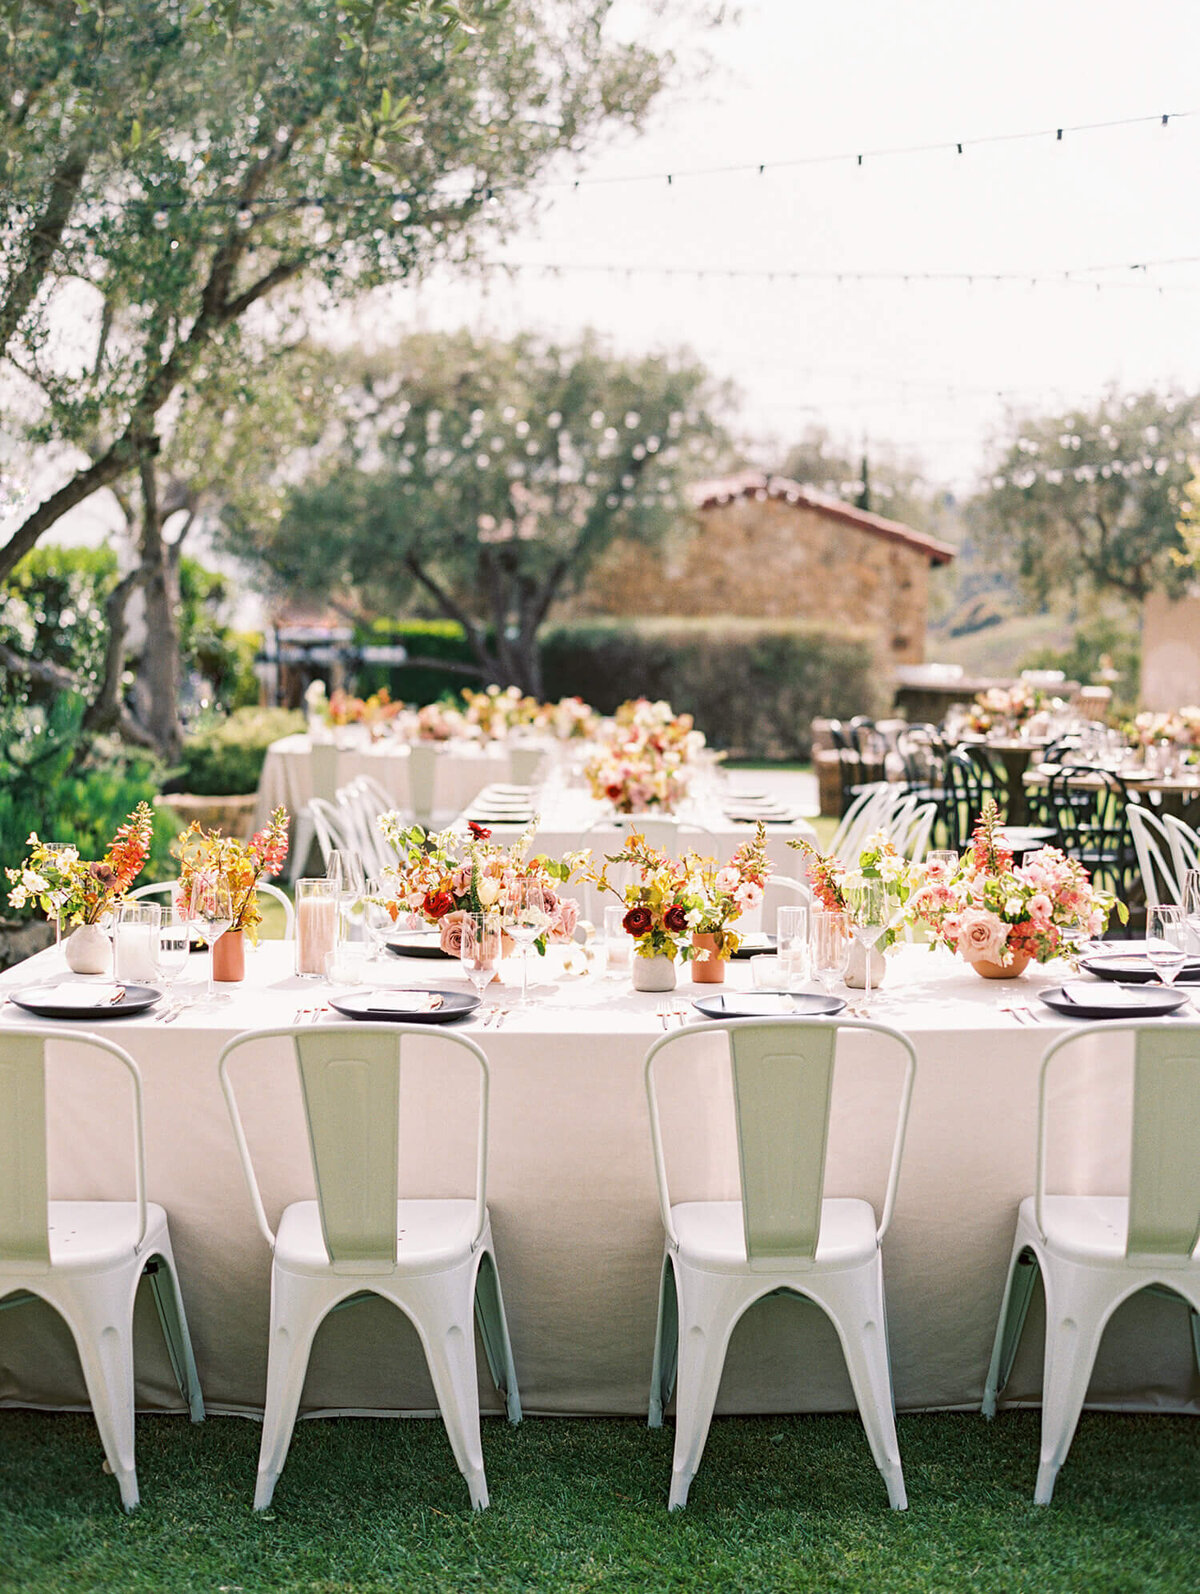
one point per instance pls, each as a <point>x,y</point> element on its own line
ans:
<point>778,1504</point>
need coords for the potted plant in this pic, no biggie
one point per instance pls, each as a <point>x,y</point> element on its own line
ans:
<point>240,865</point>
<point>999,917</point>
<point>81,893</point>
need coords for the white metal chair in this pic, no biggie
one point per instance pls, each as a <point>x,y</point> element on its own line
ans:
<point>1155,855</point>
<point>782,890</point>
<point>783,1236</point>
<point>264,888</point>
<point>86,1258</point>
<point>1185,846</point>
<point>860,820</point>
<point>432,1259</point>
<point>360,814</point>
<point>334,827</point>
<point>1094,1252</point>
<point>912,833</point>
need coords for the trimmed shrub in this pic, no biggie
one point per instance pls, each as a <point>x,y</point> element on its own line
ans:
<point>753,686</point>
<point>424,639</point>
<point>225,757</point>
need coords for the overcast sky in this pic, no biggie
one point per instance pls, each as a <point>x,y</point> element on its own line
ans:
<point>921,364</point>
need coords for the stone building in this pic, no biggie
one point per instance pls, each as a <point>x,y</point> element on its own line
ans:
<point>764,547</point>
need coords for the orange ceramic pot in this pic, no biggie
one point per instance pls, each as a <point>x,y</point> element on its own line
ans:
<point>1002,971</point>
<point>710,970</point>
<point>229,957</point>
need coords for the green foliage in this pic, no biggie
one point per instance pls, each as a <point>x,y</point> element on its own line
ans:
<point>52,610</point>
<point>424,639</point>
<point>224,758</point>
<point>753,686</point>
<point>1090,502</point>
<point>484,477</point>
<point>224,657</point>
<point>878,480</point>
<point>1101,642</point>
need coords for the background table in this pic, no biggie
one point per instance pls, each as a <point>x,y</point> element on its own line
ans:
<point>574,1208</point>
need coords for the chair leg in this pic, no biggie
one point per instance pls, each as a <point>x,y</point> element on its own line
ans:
<point>164,1286</point>
<point>854,1300</point>
<point>493,1329</point>
<point>100,1318</point>
<point>666,1345</point>
<point>296,1314</point>
<point>443,1312</point>
<point>1076,1313</point>
<point>1018,1292</point>
<point>708,1308</point>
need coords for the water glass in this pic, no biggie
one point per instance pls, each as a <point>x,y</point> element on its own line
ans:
<point>868,903</point>
<point>479,949</point>
<point>830,948</point>
<point>618,944</point>
<point>210,907</point>
<point>174,945</point>
<point>527,918</point>
<point>792,945</point>
<point>1166,941</point>
<point>136,942</point>
<point>1191,907</point>
<point>377,916</point>
<point>316,925</point>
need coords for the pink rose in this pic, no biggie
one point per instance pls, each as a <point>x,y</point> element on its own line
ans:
<point>1040,908</point>
<point>726,881</point>
<point>981,936</point>
<point>563,928</point>
<point>451,936</point>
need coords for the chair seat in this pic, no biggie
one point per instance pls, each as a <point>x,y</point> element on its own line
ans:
<point>711,1236</point>
<point>89,1235</point>
<point>1083,1228</point>
<point>431,1235</point>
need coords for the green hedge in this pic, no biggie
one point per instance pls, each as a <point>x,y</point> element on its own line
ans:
<point>225,757</point>
<point>424,639</point>
<point>753,686</point>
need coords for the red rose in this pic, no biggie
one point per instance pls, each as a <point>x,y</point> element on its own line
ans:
<point>637,921</point>
<point>480,832</point>
<point>613,792</point>
<point>437,903</point>
<point>675,919</point>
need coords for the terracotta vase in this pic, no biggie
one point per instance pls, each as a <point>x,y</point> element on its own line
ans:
<point>653,974</point>
<point>710,970</point>
<point>1011,970</point>
<point>87,950</point>
<point>229,957</point>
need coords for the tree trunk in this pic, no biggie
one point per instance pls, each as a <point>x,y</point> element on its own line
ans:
<point>158,670</point>
<point>106,711</point>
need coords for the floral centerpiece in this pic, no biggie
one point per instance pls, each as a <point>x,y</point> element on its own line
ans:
<point>240,865</point>
<point>1004,707</point>
<point>833,881</point>
<point>436,722</point>
<point>571,719</point>
<point>999,916</point>
<point>642,761</point>
<point>74,891</point>
<point>373,711</point>
<point>1179,726</point>
<point>726,892</point>
<point>444,876</point>
<point>497,710</point>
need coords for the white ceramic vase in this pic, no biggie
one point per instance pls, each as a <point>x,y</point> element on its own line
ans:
<point>87,950</point>
<point>653,974</point>
<point>856,975</point>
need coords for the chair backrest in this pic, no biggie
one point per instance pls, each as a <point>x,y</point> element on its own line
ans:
<point>1089,809</point>
<point>970,776</point>
<point>1155,856</point>
<point>350,1083</point>
<point>782,1073</point>
<point>264,889</point>
<point>860,820</point>
<point>913,841</point>
<point>782,890</point>
<point>334,829</point>
<point>359,817</point>
<point>1185,846</point>
<point>922,755</point>
<point>24,1192</point>
<point>1164,1174</point>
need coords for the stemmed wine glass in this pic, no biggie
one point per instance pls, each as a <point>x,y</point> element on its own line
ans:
<point>528,917</point>
<point>867,900</point>
<point>479,949</point>
<point>210,907</point>
<point>1191,906</point>
<point>377,916</point>
<point>830,948</point>
<point>1166,941</point>
<point>352,891</point>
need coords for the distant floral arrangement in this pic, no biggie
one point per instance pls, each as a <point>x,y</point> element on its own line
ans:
<point>1004,706</point>
<point>989,910</point>
<point>68,887</point>
<point>1179,726</point>
<point>642,761</point>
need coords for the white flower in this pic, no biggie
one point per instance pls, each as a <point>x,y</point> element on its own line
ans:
<point>1014,907</point>
<point>31,839</point>
<point>18,896</point>
<point>489,890</point>
<point>32,881</point>
<point>890,868</point>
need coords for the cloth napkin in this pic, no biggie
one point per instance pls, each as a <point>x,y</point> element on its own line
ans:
<point>764,1006</point>
<point>404,1001</point>
<point>1109,995</point>
<point>75,994</point>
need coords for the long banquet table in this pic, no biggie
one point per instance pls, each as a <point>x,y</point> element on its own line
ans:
<point>573,1199</point>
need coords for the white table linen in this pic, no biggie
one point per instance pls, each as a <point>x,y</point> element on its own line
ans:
<point>573,1200</point>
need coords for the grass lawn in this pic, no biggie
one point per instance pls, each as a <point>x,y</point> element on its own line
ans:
<point>778,1504</point>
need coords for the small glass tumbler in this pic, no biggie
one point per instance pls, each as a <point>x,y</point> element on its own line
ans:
<point>136,942</point>
<point>316,926</point>
<point>791,943</point>
<point>618,944</point>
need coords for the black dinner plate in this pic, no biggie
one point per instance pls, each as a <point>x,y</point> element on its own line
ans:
<point>759,1004</point>
<point>137,999</point>
<point>1151,1004</point>
<point>753,946</point>
<point>417,944</point>
<point>357,1004</point>
<point>1134,968</point>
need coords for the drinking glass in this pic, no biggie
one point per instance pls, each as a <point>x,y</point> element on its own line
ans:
<point>868,905</point>
<point>1191,906</point>
<point>791,943</point>
<point>211,909</point>
<point>316,925</point>
<point>830,948</point>
<point>946,856</point>
<point>333,868</point>
<point>618,943</point>
<point>352,891</point>
<point>527,919</point>
<point>1166,941</point>
<point>377,916</point>
<point>479,950</point>
<point>135,942</point>
<point>174,945</point>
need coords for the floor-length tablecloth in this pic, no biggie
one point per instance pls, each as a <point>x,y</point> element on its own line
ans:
<point>573,1203</point>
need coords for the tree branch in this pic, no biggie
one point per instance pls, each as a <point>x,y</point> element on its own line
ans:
<point>45,235</point>
<point>39,670</point>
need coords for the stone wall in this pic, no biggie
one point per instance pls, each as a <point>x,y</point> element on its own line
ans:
<point>768,559</point>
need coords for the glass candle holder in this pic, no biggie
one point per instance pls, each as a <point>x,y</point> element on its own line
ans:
<point>316,926</point>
